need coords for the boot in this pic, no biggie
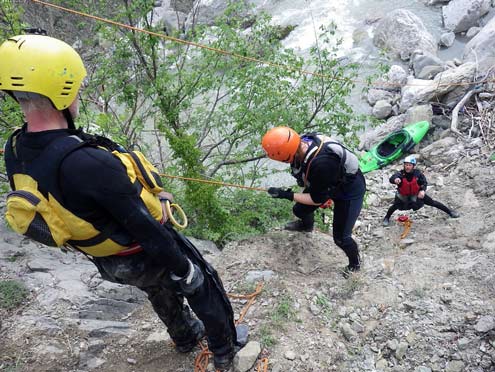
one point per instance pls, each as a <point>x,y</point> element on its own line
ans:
<point>386,221</point>
<point>223,362</point>
<point>454,214</point>
<point>298,225</point>
<point>187,345</point>
<point>349,269</point>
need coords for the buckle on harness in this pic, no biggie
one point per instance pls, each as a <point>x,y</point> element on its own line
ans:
<point>132,249</point>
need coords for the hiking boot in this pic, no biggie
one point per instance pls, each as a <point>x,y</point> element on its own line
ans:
<point>223,362</point>
<point>386,221</point>
<point>198,330</point>
<point>298,225</point>
<point>454,214</point>
<point>348,270</point>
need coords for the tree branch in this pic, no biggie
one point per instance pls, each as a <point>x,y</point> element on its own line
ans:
<point>455,111</point>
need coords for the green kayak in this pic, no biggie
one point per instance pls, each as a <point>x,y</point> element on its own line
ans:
<point>393,146</point>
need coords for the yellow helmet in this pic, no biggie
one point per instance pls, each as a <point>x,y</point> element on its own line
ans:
<point>281,143</point>
<point>41,64</point>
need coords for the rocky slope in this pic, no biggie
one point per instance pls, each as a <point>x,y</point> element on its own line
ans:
<point>423,303</point>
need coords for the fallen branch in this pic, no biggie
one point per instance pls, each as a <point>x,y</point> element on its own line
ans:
<point>460,104</point>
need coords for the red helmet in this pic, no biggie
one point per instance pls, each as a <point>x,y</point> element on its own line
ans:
<point>281,143</point>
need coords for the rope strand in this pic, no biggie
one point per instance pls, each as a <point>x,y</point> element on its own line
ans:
<point>241,57</point>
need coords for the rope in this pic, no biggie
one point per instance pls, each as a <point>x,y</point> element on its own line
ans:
<point>169,208</point>
<point>239,56</point>
<point>262,365</point>
<point>201,360</point>
<point>213,182</point>
<point>407,227</point>
<point>180,41</point>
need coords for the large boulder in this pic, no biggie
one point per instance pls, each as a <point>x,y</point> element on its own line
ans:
<point>481,48</point>
<point>371,137</point>
<point>402,32</point>
<point>461,15</point>
<point>420,91</point>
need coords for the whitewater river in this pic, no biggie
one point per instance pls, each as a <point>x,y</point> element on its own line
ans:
<point>354,19</point>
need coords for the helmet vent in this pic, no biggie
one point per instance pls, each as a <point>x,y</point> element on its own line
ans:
<point>17,81</point>
<point>67,88</point>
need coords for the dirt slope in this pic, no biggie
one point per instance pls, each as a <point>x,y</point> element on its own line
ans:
<point>421,304</point>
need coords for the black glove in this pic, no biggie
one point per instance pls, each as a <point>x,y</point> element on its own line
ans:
<point>281,193</point>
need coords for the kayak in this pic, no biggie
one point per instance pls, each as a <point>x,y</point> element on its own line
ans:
<point>393,146</point>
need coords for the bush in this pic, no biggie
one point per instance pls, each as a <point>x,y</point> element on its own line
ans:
<point>12,294</point>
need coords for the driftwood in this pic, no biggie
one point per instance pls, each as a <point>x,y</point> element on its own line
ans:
<point>460,104</point>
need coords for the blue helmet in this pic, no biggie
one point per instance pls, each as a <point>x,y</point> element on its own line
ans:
<point>410,159</point>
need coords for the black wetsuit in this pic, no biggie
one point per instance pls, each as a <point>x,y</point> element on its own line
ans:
<point>413,202</point>
<point>324,181</point>
<point>95,187</point>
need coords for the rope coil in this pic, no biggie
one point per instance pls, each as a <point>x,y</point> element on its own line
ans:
<point>170,208</point>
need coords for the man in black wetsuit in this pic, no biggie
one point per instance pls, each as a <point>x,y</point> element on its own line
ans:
<point>411,191</point>
<point>87,197</point>
<point>326,170</point>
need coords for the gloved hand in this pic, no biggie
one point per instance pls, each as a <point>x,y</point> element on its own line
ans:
<point>190,283</point>
<point>281,193</point>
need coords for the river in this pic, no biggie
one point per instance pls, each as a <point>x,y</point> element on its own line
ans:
<point>353,18</point>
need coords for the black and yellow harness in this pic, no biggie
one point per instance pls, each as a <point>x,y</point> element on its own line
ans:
<point>35,207</point>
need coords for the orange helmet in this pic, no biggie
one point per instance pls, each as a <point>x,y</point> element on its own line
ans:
<point>281,143</point>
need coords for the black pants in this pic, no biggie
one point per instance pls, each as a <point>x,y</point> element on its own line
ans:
<point>209,303</point>
<point>345,214</point>
<point>415,205</point>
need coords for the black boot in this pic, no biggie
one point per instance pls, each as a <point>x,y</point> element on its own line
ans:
<point>349,269</point>
<point>298,225</point>
<point>454,214</point>
<point>223,359</point>
<point>223,362</point>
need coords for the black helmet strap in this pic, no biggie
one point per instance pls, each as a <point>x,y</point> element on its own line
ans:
<point>69,118</point>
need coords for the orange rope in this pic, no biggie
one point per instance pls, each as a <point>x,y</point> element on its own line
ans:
<point>239,56</point>
<point>262,365</point>
<point>407,227</point>
<point>251,297</point>
<point>202,359</point>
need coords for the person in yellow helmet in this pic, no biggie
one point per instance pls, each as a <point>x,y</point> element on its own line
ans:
<point>87,192</point>
<point>327,170</point>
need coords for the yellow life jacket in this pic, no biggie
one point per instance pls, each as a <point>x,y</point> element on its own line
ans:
<point>35,209</point>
